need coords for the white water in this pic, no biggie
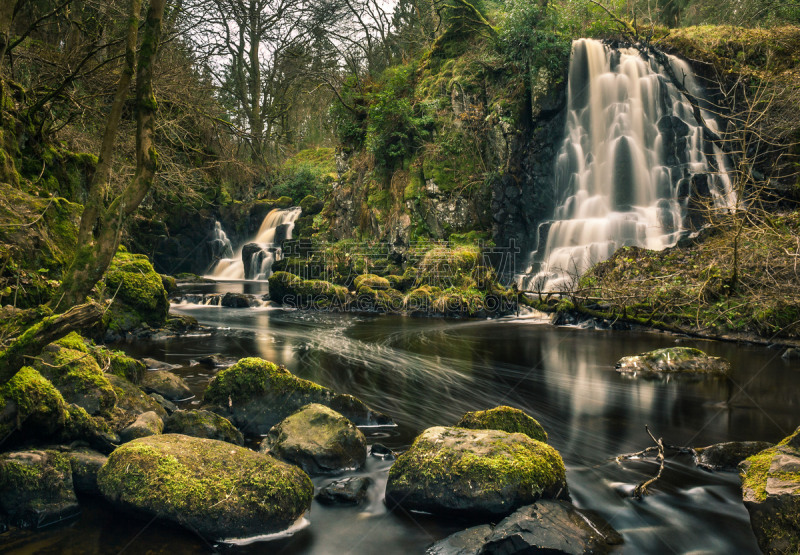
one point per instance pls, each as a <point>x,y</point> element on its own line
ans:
<point>261,263</point>
<point>220,244</point>
<point>631,145</point>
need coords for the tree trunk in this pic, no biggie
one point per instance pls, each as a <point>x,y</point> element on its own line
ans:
<point>7,8</point>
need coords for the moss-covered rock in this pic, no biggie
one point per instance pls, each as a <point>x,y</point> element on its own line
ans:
<point>76,374</point>
<point>673,360</point>
<point>771,493</point>
<point>166,384</point>
<point>138,292</point>
<point>474,473</point>
<point>120,364</point>
<point>311,205</point>
<point>372,281</point>
<point>283,286</point>
<point>213,488</point>
<point>31,405</point>
<point>36,488</point>
<point>132,400</point>
<point>506,419</point>
<point>421,299</point>
<point>146,424</point>
<point>256,394</point>
<point>203,423</point>
<point>318,440</point>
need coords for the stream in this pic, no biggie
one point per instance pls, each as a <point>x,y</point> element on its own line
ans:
<point>427,372</point>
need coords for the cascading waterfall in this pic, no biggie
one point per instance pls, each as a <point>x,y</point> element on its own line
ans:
<point>254,260</point>
<point>220,244</point>
<point>632,153</point>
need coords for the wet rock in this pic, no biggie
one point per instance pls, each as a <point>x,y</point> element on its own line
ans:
<point>167,405</point>
<point>255,394</point>
<point>673,360</point>
<point>153,364</point>
<point>146,424</point>
<point>792,353</point>
<point>36,488</point>
<point>236,300</point>
<point>349,491</point>
<point>167,385</point>
<point>203,423</point>
<point>169,476</point>
<point>318,440</point>
<point>727,456</point>
<point>465,542</point>
<point>506,419</point>
<point>380,451</point>
<point>771,493</point>
<point>85,464</point>
<point>484,473</point>
<point>216,360</point>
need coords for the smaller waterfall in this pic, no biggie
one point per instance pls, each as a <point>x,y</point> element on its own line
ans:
<point>254,260</point>
<point>220,244</point>
<point>632,156</point>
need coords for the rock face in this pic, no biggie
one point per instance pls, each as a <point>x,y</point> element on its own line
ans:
<point>256,394</point>
<point>673,360</point>
<point>318,440</point>
<point>771,492</point>
<point>506,419</point>
<point>203,423</point>
<point>474,473</point>
<point>166,384</point>
<point>214,488</point>
<point>727,456</point>
<point>544,527</point>
<point>349,491</point>
<point>146,424</point>
<point>36,488</point>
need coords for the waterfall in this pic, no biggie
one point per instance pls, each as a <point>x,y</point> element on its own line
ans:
<point>254,260</point>
<point>220,244</point>
<point>631,155</point>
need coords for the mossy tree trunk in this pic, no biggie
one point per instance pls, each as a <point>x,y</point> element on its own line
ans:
<point>102,222</point>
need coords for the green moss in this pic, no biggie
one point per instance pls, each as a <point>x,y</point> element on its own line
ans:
<point>372,281</point>
<point>506,419</point>
<point>252,377</point>
<point>32,403</point>
<point>73,341</point>
<point>138,292</point>
<point>120,364</point>
<point>283,285</point>
<point>79,378</point>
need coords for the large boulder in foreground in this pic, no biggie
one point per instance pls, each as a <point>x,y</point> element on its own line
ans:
<point>673,360</point>
<point>544,527</point>
<point>36,488</point>
<point>506,419</point>
<point>771,493</point>
<point>474,473</point>
<point>213,488</point>
<point>318,440</point>
<point>203,423</point>
<point>256,394</point>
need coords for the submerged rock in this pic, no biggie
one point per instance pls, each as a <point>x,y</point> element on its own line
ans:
<point>506,419</point>
<point>349,491</point>
<point>256,394</point>
<point>474,473</point>
<point>727,456</point>
<point>673,360</point>
<point>36,488</point>
<point>203,423</point>
<point>146,424</point>
<point>318,440</point>
<point>166,384</point>
<point>771,493</point>
<point>544,527</point>
<point>380,451</point>
<point>213,488</point>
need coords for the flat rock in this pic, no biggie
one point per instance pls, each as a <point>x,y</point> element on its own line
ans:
<point>166,384</point>
<point>213,488</point>
<point>317,439</point>
<point>673,360</point>
<point>465,542</point>
<point>474,473</point>
<point>727,456</point>
<point>349,491</point>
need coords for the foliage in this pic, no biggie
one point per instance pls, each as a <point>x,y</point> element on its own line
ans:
<point>530,37</point>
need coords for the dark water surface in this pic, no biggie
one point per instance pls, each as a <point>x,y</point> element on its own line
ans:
<point>426,372</point>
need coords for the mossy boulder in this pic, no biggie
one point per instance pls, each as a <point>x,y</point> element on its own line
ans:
<point>36,488</point>
<point>506,419</point>
<point>78,377</point>
<point>311,205</point>
<point>203,423</point>
<point>256,394</point>
<point>166,384</point>
<point>372,281</point>
<point>146,424</point>
<point>318,440</point>
<point>771,493</point>
<point>138,291</point>
<point>283,286</point>
<point>32,405</point>
<point>213,488</point>
<point>120,364</point>
<point>474,473</point>
<point>673,360</point>
<point>422,299</point>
